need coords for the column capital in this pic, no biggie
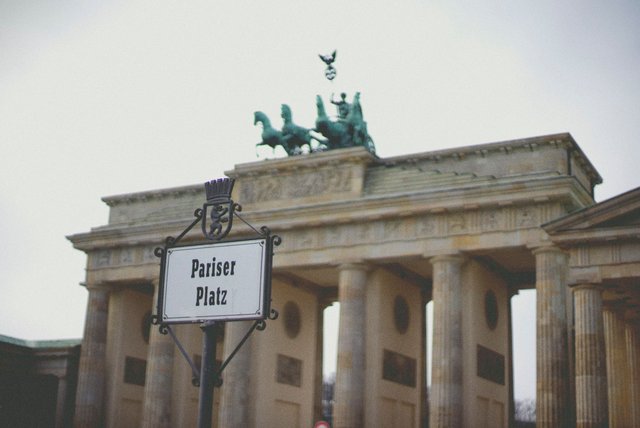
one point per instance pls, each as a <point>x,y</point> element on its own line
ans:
<point>546,248</point>
<point>457,257</point>
<point>355,264</point>
<point>586,286</point>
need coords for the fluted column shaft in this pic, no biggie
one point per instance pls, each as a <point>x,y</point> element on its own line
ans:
<point>617,379</point>
<point>235,399</point>
<point>91,380</point>
<point>632,338</point>
<point>591,374</point>
<point>446,373</point>
<point>156,406</point>
<point>350,376</point>
<point>552,360</point>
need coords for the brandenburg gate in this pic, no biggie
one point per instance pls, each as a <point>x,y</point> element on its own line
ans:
<point>466,228</point>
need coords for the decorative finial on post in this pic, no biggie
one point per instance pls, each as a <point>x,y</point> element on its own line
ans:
<point>330,72</point>
<point>222,208</point>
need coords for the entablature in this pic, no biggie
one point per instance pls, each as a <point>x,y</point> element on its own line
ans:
<point>512,205</point>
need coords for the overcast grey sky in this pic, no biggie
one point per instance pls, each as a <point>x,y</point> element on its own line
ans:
<point>108,97</point>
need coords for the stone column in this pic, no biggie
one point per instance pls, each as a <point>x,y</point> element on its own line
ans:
<point>318,381</point>
<point>235,401</point>
<point>156,404</point>
<point>90,392</point>
<point>552,357</point>
<point>617,379</point>
<point>446,408</point>
<point>632,338</point>
<point>348,411</point>
<point>591,374</point>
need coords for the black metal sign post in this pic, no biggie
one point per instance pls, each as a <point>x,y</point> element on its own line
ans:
<point>207,374</point>
<point>216,217</point>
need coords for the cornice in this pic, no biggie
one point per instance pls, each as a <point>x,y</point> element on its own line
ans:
<point>501,193</point>
<point>590,216</point>
<point>560,140</point>
<point>158,194</point>
<point>574,237</point>
<point>294,163</point>
<point>359,155</point>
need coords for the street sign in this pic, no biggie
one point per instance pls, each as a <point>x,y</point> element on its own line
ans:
<point>221,281</point>
<point>212,282</point>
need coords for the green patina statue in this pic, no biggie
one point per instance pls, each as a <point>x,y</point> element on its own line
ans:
<point>292,138</point>
<point>342,104</point>
<point>348,130</point>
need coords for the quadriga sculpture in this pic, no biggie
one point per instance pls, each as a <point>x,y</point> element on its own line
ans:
<point>348,130</point>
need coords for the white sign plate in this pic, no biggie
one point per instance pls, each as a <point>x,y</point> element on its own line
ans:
<point>220,281</point>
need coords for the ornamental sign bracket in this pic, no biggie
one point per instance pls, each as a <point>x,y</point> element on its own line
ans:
<point>215,281</point>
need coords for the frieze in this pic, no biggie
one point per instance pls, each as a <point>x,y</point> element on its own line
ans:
<point>527,217</point>
<point>583,256</point>
<point>148,254</point>
<point>615,253</point>
<point>333,236</point>
<point>606,253</point>
<point>392,229</point>
<point>265,189</point>
<point>491,220</point>
<point>365,232</point>
<point>302,185</point>
<point>426,226</point>
<point>307,239</point>
<point>125,256</point>
<point>457,223</point>
<point>102,259</point>
<point>433,225</point>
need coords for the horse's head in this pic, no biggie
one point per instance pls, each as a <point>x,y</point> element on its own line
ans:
<point>320,105</point>
<point>260,117</point>
<point>285,113</point>
<point>355,110</point>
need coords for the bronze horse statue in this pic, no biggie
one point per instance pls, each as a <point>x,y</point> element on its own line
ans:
<point>294,135</point>
<point>292,138</point>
